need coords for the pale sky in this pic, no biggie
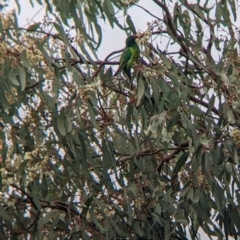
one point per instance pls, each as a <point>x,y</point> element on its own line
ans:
<point>113,39</point>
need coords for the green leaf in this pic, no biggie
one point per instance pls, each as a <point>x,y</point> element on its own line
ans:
<point>162,84</point>
<point>110,7</point>
<point>141,90</point>
<point>61,31</point>
<point>107,158</point>
<point>180,217</point>
<point>186,23</point>
<point>99,32</point>
<point>4,214</point>
<point>37,202</point>
<point>7,118</point>
<point>233,8</point>
<point>190,128</point>
<point>131,24</point>
<point>12,77</point>
<point>109,11</point>
<point>198,25</point>
<point>23,57</point>
<point>18,6</point>
<point>34,26</point>
<point>92,115</point>
<point>43,221</point>
<point>194,195</point>
<point>173,121</point>
<point>49,101</point>
<point>61,122</point>
<point>218,14</point>
<point>21,169</point>
<point>199,42</point>
<point>95,221</point>
<point>22,75</point>
<point>117,227</point>
<point>87,206</point>
<point>166,61</point>
<point>137,228</point>
<point>181,161</point>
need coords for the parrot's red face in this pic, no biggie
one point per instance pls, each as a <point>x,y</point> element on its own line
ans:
<point>135,36</point>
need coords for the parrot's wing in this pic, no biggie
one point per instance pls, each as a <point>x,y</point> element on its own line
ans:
<point>135,52</point>
<point>126,56</point>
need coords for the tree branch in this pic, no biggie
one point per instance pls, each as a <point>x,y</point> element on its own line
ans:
<point>168,157</point>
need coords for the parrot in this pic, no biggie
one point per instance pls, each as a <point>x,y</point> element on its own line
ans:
<point>129,56</point>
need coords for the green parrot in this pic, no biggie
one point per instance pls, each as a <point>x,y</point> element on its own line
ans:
<point>129,56</point>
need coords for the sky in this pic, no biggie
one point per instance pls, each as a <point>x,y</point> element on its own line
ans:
<point>113,39</point>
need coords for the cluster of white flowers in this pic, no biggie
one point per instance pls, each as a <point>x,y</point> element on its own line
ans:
<point>99,216</point>
<point>235,105</point>
<point>79,38</point>
<point>50,74</point>
<point>34,56</point>
<point>12,164</point>
<point>150,72</point>
<point>3,49</point>
<point>129,2</point>
<point>6,20</point>
<point>10,96</point>
<point>235,134</point>
<point>38,163</point>
<point>142,38</point>
<point>89,87</point>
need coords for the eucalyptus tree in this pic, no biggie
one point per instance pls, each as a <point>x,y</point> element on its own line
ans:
<point>89,154</point>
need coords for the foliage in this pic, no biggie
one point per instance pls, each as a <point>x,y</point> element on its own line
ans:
<point>88,155</point>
